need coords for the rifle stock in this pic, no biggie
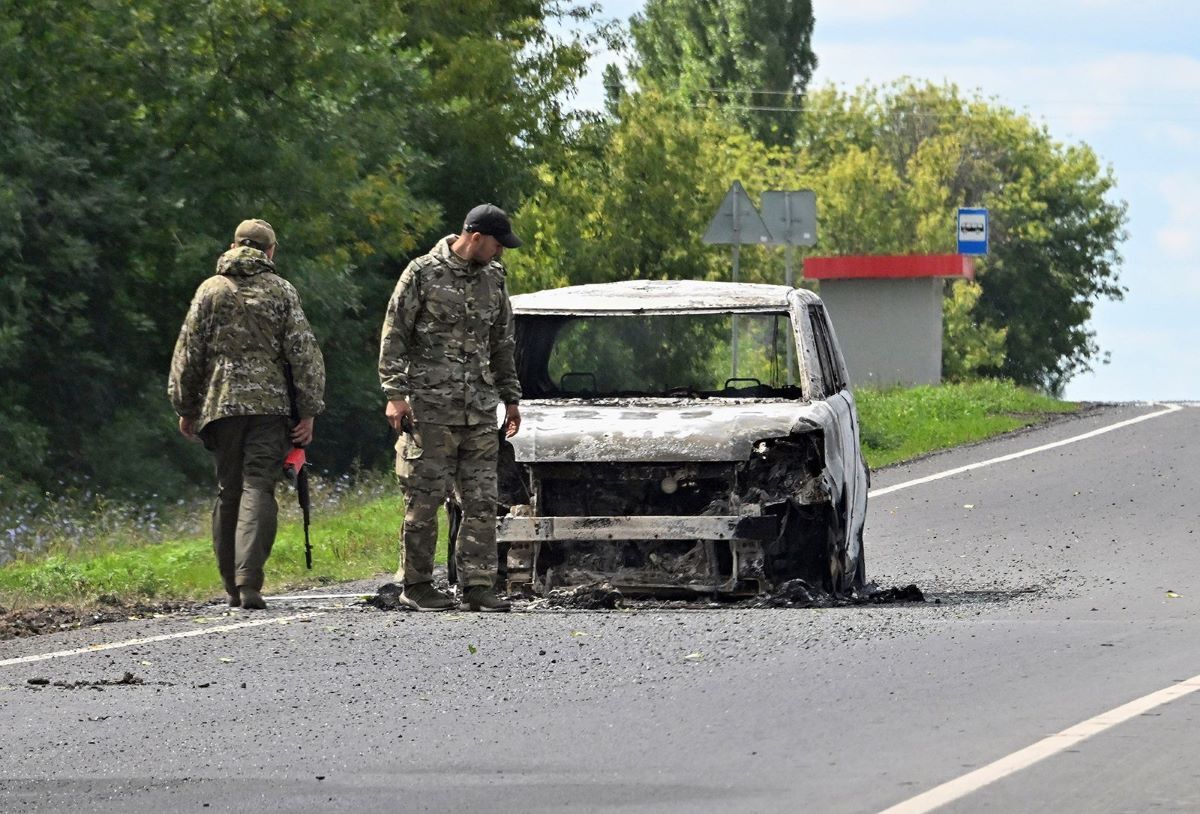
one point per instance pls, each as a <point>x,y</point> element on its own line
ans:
<point>295,465</point>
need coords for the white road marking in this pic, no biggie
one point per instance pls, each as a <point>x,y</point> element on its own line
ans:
<point>186,634</point>
<point>972,781</point>
<point>1170,408</point>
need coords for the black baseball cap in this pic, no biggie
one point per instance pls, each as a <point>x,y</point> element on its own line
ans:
<point>492,220</point>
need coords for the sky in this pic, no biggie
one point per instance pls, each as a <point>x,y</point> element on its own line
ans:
<point>1120,76</point>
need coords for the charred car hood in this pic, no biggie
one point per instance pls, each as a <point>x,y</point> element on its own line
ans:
<point>658,430</point>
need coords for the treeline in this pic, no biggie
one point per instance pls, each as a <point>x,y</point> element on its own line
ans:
<point>134,136</point>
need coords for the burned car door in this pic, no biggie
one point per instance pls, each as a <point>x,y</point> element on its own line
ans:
<point>846,467</point>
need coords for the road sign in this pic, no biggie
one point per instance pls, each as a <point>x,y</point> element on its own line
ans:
<point>737,221</point>
<point>791,217</point>
<point>972,231</point>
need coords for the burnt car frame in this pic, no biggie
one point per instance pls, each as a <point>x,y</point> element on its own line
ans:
<point>681,438</point>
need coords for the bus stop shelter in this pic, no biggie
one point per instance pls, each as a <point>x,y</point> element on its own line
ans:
<point>887,310</point>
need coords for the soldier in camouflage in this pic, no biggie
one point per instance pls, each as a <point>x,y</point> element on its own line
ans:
<point>229,387</point>
<point>445,362</point>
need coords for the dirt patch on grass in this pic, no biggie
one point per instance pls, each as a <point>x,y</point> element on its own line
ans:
<point>34,621</point>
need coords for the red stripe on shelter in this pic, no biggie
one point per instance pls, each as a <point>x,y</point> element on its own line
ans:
<point>899,266</point>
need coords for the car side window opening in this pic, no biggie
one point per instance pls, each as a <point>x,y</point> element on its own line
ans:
<point>832,376</point>
<point>659,355</point>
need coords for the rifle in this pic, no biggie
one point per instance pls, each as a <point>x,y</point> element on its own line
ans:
<point>295,466</point>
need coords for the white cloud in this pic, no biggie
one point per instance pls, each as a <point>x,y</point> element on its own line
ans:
<point>1176,242</point>
<point>1178,238</point>
<point>1080,96</point>
<point>1150,359</point>
<point>1178,136</point>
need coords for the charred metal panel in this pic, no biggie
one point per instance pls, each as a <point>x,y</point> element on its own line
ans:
<point>656,567</point>
<point>657,297</point>
<point>656,430</point>
<point>549,529</point>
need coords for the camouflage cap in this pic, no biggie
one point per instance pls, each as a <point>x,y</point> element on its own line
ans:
<point>256,231</point>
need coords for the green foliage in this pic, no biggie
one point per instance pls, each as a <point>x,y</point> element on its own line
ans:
<point>899,424</point>
<point>901,160</point>
<point>69,581</point>
<point>631,201</point>
<point>363,131</point>
<point>134,137</point>
<point>357,543</point>
<point>968,346</point>
<point>889,167</point>
<point>752,55</point>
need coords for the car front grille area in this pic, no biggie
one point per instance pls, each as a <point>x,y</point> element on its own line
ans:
<point>613,490</point>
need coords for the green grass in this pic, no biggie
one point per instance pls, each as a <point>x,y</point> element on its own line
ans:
<point>97,551</point>
<point>354,542</point>
<point>899,424</point>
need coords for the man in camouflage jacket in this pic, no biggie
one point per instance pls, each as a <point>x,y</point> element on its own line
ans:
<point>445,362</point>
<point>228,385</point>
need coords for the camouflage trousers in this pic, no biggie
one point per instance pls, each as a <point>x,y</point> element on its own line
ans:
<point>249,453</point>
<point>435,458</point>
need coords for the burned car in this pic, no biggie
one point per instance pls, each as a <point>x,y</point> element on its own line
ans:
<point>681,438</point>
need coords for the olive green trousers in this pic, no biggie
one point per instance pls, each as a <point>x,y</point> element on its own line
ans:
<point>433,460</point>
<point>249,452</point>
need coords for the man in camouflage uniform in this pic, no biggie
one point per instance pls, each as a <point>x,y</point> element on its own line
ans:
<point>229,386</point>
<point>445,361</point>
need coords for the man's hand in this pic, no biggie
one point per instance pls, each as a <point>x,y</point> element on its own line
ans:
<point>512,420</point>
<point>302,433</point>
<point>397,411</point>
<point>187,427</point>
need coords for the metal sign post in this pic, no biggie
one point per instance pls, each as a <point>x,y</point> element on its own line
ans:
<point>736,222</point>
<point>792,219</point>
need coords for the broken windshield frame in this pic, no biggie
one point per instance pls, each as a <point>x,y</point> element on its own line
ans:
<point>664,355</point>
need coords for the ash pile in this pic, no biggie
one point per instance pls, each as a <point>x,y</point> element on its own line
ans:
<point>602,595</point>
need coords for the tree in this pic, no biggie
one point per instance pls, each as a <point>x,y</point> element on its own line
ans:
<point>751,55</point>
<point>1056,226</point>
<point>631,200</point>
<point>494,100</point>
<point>890,167</point>
<point>345,125</point>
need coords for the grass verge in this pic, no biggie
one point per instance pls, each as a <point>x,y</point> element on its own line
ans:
<point>355,540</point>
<point>899,424</point>
<point>355,530</point>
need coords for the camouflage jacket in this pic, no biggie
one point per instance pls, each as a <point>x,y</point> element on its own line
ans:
<point>223,365</point>
<point>447,343</point>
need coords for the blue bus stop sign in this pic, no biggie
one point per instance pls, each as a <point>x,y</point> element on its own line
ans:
<point>972,231</point>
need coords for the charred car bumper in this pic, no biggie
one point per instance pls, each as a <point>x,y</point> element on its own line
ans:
<point>645,554</point>
<point>519,530</point>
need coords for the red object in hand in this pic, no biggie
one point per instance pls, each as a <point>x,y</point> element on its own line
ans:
<point>294,463</point>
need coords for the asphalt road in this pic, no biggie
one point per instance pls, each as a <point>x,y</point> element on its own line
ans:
<point>1051,574</point>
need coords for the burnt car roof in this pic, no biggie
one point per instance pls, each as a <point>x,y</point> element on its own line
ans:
<point>660,296</point>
